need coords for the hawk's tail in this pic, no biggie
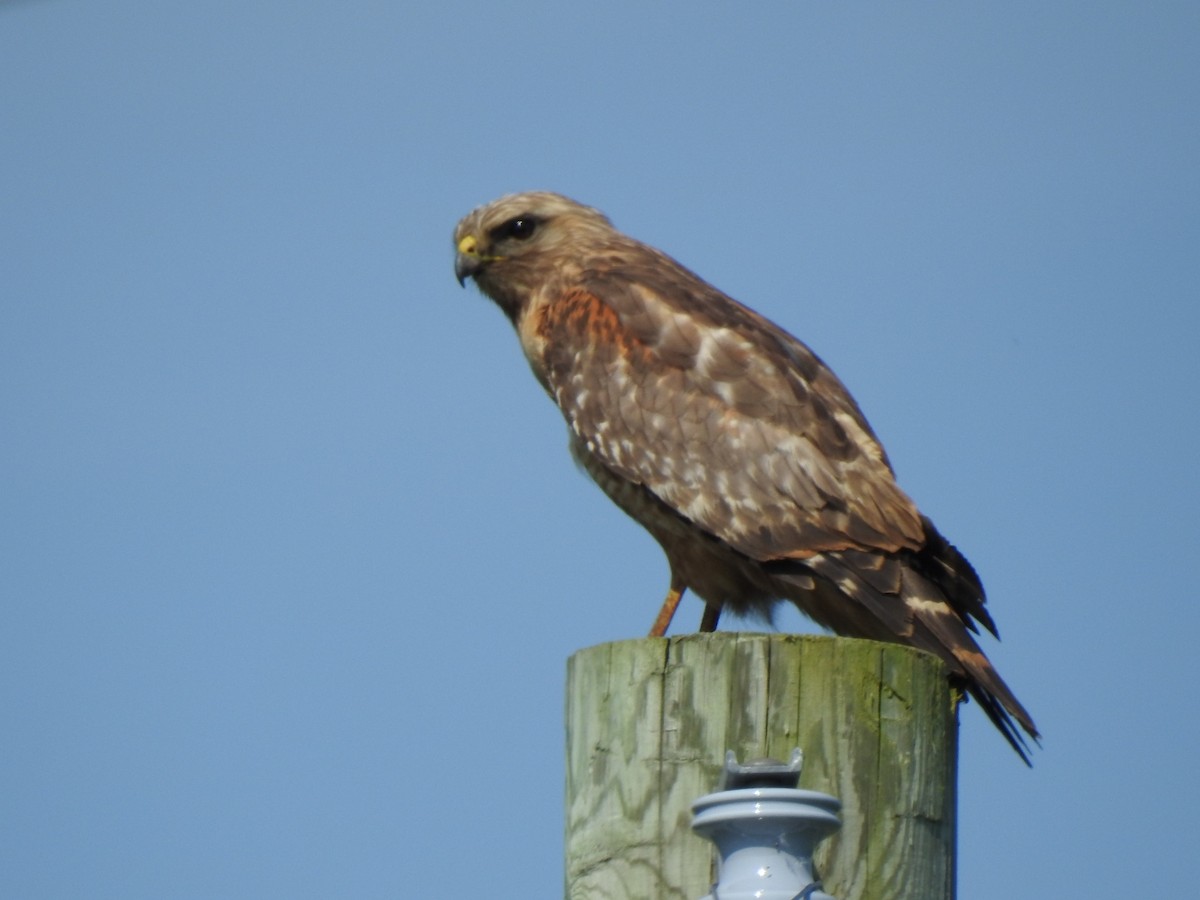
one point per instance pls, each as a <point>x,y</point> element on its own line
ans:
<point>930,600</point>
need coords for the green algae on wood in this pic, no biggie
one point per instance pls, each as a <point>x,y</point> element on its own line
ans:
<point>649,721</point>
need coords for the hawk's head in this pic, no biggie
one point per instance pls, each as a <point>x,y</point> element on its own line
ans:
<point>512,245</point>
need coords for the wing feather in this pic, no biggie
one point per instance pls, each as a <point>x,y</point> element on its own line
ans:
<point>722,415</point>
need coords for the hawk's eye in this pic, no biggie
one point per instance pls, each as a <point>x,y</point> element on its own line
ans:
<point>520,228</point>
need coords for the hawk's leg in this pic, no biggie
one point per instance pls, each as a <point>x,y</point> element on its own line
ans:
<point>674,595</point>
<point>708,621</point>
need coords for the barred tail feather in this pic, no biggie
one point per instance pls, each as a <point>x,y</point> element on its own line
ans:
<point>888,597</point>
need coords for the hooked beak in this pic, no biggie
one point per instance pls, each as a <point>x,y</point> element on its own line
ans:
<point>465,267</point>
<point>467,260</point>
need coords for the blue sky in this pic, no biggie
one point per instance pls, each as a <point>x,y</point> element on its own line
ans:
<point>292,554</point>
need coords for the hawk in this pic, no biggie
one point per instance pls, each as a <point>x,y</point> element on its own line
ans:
<point>727,439</point>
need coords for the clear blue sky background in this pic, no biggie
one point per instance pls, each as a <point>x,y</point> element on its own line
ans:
<point>291,552</point>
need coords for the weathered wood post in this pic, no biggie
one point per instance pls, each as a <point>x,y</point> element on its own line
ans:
<point>649,721</point>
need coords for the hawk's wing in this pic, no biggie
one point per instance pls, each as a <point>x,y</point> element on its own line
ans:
<point>722,415</point>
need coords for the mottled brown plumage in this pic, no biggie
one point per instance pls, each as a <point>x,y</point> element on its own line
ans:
<point>726,438</point>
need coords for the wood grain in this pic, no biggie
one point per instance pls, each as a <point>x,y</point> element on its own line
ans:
<point>649,721</point>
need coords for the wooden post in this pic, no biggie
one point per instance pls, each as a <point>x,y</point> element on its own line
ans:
<point>649,721</point>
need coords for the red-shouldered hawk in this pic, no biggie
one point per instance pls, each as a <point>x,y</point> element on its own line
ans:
<point>727,439</point>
